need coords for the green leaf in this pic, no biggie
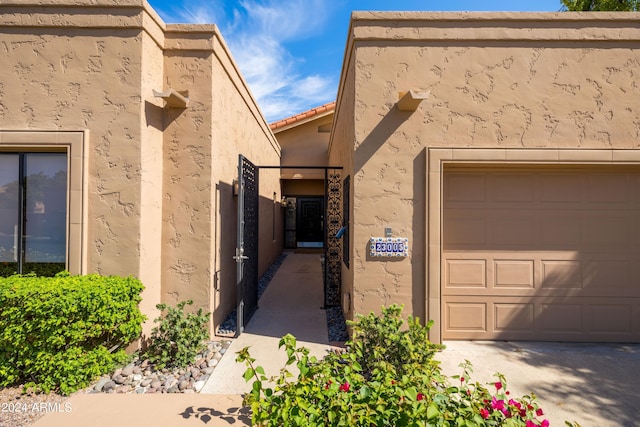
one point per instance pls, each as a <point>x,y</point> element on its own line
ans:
<point>365,391</point>
<point>432,411</point>
<point>248,374</point>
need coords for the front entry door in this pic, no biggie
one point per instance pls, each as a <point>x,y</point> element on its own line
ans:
<point>310,222</point>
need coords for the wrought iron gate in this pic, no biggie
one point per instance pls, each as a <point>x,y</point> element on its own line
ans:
<point>247,248</point>
<point>332,247</point>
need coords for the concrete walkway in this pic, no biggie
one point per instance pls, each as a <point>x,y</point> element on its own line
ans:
<point>291,304</point>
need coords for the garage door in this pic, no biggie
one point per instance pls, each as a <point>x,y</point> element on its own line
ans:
<point>541,253</point>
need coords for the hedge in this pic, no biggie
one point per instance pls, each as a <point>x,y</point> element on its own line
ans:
<point>60,333</point>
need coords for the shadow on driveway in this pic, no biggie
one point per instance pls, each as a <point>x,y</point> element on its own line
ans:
<point>593,384</point>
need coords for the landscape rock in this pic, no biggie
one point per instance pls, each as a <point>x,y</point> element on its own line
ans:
<point>100,384</point>
<point>109,386</point>
<point>119,379</point>
<point>128,370</point>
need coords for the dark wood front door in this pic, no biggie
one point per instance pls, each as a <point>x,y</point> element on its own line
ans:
<point>310,221</point>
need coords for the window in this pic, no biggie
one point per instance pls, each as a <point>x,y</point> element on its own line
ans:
<point>45,237</point>
<point>33,212</point>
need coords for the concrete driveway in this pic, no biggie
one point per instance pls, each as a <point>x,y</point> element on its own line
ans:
<point>593,384</point>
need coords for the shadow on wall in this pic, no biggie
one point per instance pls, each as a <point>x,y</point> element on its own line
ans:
<point>158,117</point>
<point>269,245</point>
<point>224,299</point>
<point>377,138</point>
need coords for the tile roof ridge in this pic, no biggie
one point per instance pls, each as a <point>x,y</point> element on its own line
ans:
<point>330,106</point>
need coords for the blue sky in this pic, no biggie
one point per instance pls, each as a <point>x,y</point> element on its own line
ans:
<point>290,51</point>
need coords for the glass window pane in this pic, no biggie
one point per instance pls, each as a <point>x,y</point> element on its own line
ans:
<point>9,214</point>
<point>45,209</point>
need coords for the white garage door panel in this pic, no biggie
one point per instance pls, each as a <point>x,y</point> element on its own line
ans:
<point>541,254</point>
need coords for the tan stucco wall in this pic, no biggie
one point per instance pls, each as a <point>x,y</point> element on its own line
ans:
<point>305,145</point>
<point>159,201</point>
<point>495,80</point>
<point>151,169</point>
<point>341,154</point>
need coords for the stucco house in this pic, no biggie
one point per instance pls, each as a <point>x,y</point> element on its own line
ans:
<point>480,168</point>
<point>504,148</point>
<point>124,133</point>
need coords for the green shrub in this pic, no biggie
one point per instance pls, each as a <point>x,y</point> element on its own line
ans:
<point>60,333</point>
<point>178,336</point>
<point>43,269</point>
<point>383,340</point>
<point>370,384</point>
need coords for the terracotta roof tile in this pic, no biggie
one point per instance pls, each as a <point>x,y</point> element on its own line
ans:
<point>302,116</point>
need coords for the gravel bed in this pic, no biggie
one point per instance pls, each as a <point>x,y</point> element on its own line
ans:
<point>20,410</point>
<point>336,325</point>
<point>141,377</point>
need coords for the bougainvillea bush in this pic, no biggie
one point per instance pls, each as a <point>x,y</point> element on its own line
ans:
<point>386,376</point>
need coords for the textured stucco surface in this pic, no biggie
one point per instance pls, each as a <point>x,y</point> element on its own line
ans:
<point>305,145</point>
<point>159,180</point>
<point>495,80</point>
<point>341,153</point>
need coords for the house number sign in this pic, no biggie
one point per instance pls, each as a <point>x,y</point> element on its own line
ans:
<point>389,247</point>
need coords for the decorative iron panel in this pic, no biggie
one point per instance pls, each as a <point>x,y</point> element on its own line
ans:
<point>333,265</point>
<point>247,253</point>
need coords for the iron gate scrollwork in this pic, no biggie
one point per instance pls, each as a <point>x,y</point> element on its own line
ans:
<point>333,255</point>
<point>247,249</point>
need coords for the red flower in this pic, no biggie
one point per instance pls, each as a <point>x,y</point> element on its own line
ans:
<point>530,424</point>
<point>461,379</point>
<point>498,385</point>
<point>326,387</point>
<point>485,414</point>
<point>420,396</point>
<point>497,404</point>
<point>345,387</point>
<point>539,412</point>
<point>545,423</point>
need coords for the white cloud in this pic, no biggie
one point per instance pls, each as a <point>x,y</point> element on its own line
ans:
<point>193,12</point>
<point>257,32</point>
